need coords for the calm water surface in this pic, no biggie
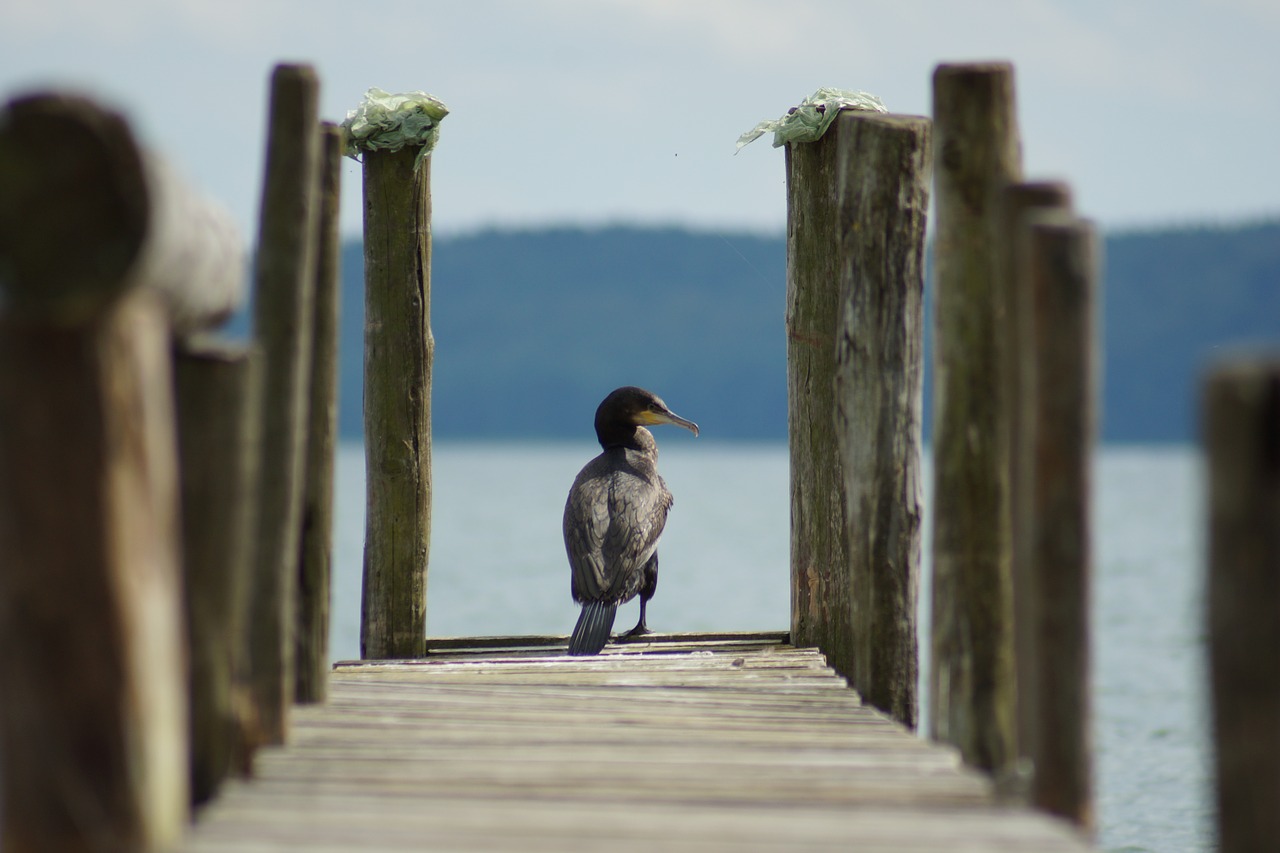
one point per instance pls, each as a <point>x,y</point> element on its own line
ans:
<point>498,567</point>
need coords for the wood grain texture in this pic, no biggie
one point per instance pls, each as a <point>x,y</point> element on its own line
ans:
<point>670,745</point>
<point>882,199</point>
<point>398,354</point>
<point>821,583</point>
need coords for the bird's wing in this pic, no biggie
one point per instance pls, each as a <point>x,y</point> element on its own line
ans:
<point>586,521</point>
<point>638,513</point>
<point>611,527</point>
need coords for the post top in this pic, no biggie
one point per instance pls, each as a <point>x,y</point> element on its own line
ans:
<point>387,122</point>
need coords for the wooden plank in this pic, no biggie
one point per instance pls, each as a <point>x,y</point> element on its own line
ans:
<point>546,754</point>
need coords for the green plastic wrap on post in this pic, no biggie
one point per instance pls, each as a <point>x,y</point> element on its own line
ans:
<point>387,122</point>
<point>811,118</point>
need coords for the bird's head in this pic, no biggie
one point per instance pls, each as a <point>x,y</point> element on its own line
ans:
<point>630,406</point>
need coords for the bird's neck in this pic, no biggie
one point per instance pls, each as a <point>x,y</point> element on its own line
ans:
<point>627,437</point>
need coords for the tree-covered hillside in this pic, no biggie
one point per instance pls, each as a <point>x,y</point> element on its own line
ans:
<point>532,328</point>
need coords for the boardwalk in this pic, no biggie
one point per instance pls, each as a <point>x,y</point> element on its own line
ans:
<point>742,743</point>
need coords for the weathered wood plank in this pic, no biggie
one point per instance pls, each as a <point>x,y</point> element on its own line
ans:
<point>455,755</point>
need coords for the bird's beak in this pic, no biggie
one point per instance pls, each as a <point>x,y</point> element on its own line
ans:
<point>668,417</point>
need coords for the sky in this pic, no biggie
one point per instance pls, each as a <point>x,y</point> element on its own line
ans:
<point>595,112</point>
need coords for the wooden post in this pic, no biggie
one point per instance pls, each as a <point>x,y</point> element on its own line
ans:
<point>283,328</point>
<point>1018,378</point>
<point>881,201</point>
<point>821,598</point>
<point>1062,267</point>
<point>317,511</point>
<point>972,675</point>
<point>93,714</point>
<point>397,402</point>
<point>218,445</point>
<point>1242,445</point>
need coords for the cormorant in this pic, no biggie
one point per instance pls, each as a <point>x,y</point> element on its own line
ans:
<point>615,514</point>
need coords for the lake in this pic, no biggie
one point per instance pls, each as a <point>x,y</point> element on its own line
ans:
<point>497,566</point>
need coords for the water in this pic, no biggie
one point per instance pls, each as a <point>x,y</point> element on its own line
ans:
<point>498,567</point>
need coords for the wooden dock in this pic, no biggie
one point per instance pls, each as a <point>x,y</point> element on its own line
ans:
<point>739,742</point>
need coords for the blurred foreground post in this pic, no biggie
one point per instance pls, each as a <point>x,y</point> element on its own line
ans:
<point>1020,202</point>
<point>103,253</point>
<point>315,560</point>
<point>283,328</point>
<point>218,440</point>
<point>972,674</point>
<point>1241,413</point>
<point>1061,259</point>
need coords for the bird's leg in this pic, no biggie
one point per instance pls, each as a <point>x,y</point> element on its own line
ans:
<point>640,629</point>
<point>647,588</point>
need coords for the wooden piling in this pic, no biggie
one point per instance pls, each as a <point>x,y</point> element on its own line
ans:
<point>972,674</point>
<point>218,439</point>
<point>1061,257</point>
<point>93,721</point>
<point>1241,434</point>
<point>821,598</point>
<point>317,511</point>
<point>283,311</point>
<point>881,200</point>
<point>398,355</point>
<point>1020,201</point>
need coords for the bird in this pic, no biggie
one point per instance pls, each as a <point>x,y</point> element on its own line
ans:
<point>614,516</point>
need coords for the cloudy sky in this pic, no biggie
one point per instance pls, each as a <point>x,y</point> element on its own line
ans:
<point>595,111</point>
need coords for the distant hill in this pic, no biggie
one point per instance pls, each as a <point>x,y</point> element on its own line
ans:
<point>533,327</point>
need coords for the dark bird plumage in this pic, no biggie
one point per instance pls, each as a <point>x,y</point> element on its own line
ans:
<point>614,515</point>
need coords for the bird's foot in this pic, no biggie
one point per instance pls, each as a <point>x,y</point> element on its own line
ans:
<point>638,631</point>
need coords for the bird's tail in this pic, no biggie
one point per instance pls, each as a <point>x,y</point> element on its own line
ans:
<point>592,631</point>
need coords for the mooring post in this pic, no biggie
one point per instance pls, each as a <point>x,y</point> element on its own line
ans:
<point>1061,269</point>
<point>104,253</point>
<point>972,674</point>
<point>1241,435</point>
<point>821,597</point>
<point>398,352</point>
<point>314,565</point>
<point>1018,377</point>
<point>218,436</point>
<point>875,244</point>
<point>283,308</point>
